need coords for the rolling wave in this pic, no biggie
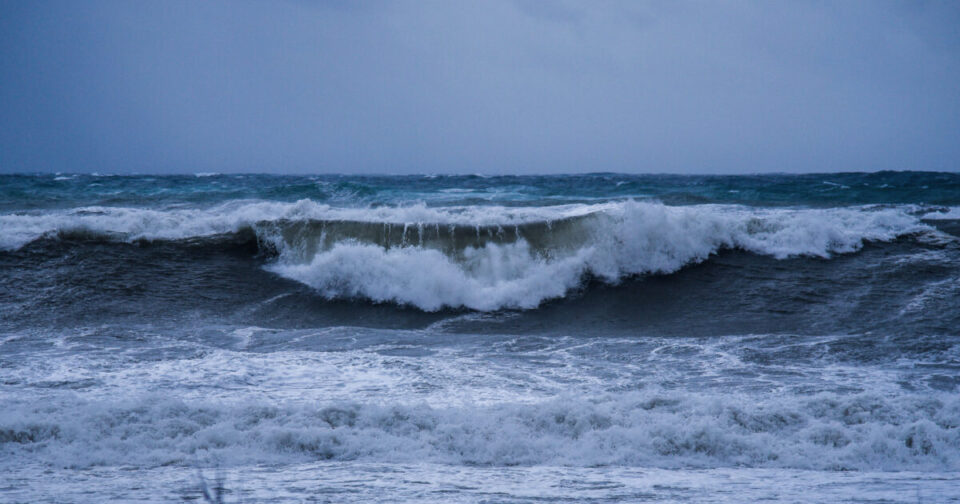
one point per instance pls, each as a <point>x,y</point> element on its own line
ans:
<point>479,257</point>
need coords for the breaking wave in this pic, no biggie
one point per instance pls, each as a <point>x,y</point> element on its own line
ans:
<point>654,429</point>
<point>480,257</point>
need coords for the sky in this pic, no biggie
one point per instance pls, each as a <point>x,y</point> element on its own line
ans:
<point>492,86</point>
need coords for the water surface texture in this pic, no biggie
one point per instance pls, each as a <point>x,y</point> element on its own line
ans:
<point>591,338</point>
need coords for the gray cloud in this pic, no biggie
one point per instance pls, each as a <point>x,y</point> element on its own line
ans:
<point>493,86</point>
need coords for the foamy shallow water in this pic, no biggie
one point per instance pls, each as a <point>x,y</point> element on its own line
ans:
<point>470,418</point>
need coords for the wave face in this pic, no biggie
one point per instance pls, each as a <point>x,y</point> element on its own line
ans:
<point>482,258</point>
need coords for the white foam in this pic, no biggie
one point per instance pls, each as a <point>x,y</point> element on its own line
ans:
<point>652,429</point>
<point>492,277</point>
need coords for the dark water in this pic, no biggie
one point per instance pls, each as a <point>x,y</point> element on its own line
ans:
<point>462,339</point>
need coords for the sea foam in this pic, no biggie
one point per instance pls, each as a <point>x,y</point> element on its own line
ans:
<point>652,429</point>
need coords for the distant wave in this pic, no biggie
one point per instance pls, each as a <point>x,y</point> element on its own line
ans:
<point>653,429</point>
<point>480,257</point>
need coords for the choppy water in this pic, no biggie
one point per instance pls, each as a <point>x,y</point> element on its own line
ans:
<point>597,338</point>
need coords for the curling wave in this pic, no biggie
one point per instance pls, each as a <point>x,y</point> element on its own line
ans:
<point>481,257</point>
<point>520,266</point>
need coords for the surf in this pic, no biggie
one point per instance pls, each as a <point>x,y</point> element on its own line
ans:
<point>479,257</point>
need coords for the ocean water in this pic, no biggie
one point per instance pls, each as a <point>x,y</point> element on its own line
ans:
<point>595,338</point>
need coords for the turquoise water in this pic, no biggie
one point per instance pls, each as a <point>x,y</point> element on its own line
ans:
<point>52,191</point>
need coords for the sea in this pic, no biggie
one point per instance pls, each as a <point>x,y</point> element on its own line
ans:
<point>597,338</point>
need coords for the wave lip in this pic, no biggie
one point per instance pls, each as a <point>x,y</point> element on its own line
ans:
<point>129,224</point>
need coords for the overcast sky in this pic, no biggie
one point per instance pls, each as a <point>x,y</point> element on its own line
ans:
<point>512,86</point>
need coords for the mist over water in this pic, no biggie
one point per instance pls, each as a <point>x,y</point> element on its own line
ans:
<point>609,337</point>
